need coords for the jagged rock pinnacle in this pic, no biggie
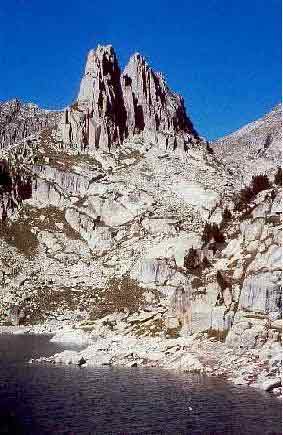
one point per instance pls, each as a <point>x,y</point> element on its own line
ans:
<point>112,106</point>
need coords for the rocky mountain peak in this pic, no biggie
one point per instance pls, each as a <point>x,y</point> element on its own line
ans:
<point>141,245</point>
<point>160,108</point>
<point>100,64</point>
<point>99,111</point>
<point>112,106</point>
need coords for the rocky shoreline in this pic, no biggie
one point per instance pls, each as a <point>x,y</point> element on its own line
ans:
<point>126,234</point>
<point>257,368</point>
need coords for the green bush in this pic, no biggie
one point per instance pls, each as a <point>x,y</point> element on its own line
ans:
<point>260,183</point>
<point>226,216</point>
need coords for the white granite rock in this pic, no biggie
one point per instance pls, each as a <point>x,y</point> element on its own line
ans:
<point>261,293</point>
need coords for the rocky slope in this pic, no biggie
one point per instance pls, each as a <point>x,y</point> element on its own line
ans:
<point>153,252</point>
<point>20,120</point>
<point>254,149</point>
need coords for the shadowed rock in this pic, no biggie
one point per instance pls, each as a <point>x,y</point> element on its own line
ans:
<point>152,106</point>
<point>98,118</point>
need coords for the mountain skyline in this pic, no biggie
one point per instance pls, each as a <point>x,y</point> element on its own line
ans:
<point>219,59</point>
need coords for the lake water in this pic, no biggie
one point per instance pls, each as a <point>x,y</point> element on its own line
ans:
<point>38,399</point>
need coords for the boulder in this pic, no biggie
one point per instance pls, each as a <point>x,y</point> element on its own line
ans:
<point>270,384</point>
<point>99,359</point>
<point>71,336</point>
<point>247,333</point>
<point>268,260</point>
<point>186,362</point>
<point>70,182</point>
<point>276,324</point>
<point>174,247</point>
<point>196,195</point>
<point>67,357</point>
<point>156,271</point>
<point>277,204</point>
<point>232,249</point>
<point>158,225</point>
<point>119,207</point>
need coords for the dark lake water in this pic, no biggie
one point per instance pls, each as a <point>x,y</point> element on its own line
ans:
<point>37,399</point>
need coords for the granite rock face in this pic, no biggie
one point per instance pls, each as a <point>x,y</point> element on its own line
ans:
<point>98,118</point>
<point>262,294</point>
<point>152,107</point>
<point>20,120</point>
<point>255,148</point>
<point>112,106</point>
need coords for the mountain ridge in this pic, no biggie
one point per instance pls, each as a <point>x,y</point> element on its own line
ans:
<point>137,245</point>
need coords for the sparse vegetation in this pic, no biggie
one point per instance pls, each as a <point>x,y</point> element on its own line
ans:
<point>218,335</point>
<point>75,106</point>
<point>120,294</point>
<point>268,141</point>
<point>191,260</point>
<point>60,158</point>
<point>194,262</point>
<point>150,328</point>
<point>196,283</point>
<point>222,281</point>
<point>209,149</point>
<point>226,218</point>
<point>259,183</point>
<point>246,195</point>
<point>212,232</point>
<point>173,332</point>
<point>19,235</point>
<point>53,215</point>
<point>49,300</point>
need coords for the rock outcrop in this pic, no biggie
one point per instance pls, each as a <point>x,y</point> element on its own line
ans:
<point>152,107</point>
<point>255,148</point>
<point>98,118</point>
<point>112,106</point>
<point>20,120</point>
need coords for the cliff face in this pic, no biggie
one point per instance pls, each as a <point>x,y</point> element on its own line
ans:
<point>151,106</point>
<point>112,107</point>
<point>98,118</point>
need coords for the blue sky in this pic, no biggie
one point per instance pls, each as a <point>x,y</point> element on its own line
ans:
<point>223,56</point>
